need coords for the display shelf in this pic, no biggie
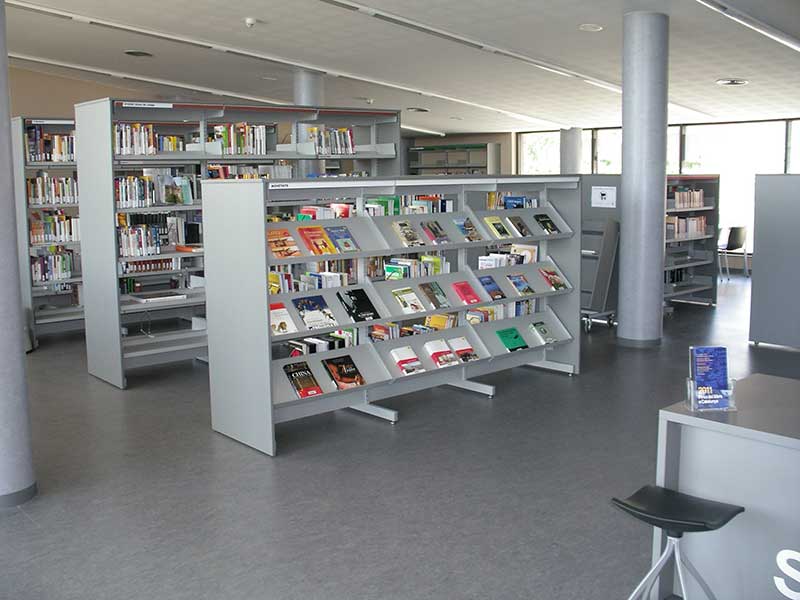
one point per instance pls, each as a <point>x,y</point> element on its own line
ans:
<point>41,284</point>
<point>671,211</point>
<point>689,264</point>
<point>58,314</point>
<point>53,206</point>
<point>153,349</point>
<point>45,165</point>
<point>167,208</point>
<point>691,238</point>
<point>686,290</point>
<point>128,306</point>
<point>137,275</point>
<point>168,253</point>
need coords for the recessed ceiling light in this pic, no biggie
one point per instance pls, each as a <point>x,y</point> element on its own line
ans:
<point>729,81</point>
<point>269,78</point>
<point>138,53</point>
<point>418,109</point>
<point>590,27</point>
<point>457,118</point>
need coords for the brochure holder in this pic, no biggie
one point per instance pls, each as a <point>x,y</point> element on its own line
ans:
<point>724,401</point>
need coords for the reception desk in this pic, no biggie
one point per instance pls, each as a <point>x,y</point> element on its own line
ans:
<point>750,457</point>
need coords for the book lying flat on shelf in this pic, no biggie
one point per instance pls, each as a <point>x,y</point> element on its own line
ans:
<point>435,294</point>
<point>542,331</point>
<point>497,228</point>
<point>342,239</point>
<point>440,353</point>
<point>468,230</point>
<point>520,284</point>
<point>281,243</point>
<point>435,233</point>
<point>554,279</point>
<point>519,227</point>
<point>407,234</point>
<point>491,287</point>
<point>407,360</point>
<point>462,349</point>
<point>511,339</point>
<point>546,223</point>
<point>464,291</point>
<point>343,372</point>
<point>280,320</point>
<point>529,252</point>
<point>316,240</point>
<point>302,379</point>
<point>358,305</point>
<point>408,300</point>
<point>153,297</point>
<point>315,312</point>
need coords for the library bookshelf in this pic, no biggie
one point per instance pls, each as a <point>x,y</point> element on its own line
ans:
<point>187,142</point>
<point>250,391</point>
<point>455,159</point>
<point>48,233</point>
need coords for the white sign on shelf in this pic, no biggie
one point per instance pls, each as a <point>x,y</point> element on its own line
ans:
<point>128,104</point>
<point>604,196</point>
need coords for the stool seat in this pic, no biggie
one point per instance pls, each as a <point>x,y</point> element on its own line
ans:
<point>676,513</point>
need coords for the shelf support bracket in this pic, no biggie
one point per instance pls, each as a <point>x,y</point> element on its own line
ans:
<point>376,410</point>
<point>473,386</point>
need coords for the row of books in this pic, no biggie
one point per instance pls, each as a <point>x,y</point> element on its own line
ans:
<point>46,189</point>
<point>149,266</point>
<point>677,227</point>
<point>142,139</point>
<point>518,254</point>
<point>153,190</point>
<point>285,282</point>
<point>425,266</point>
<point>336,210</point>
<point>276,171</point>
<point>41,146</point>
<point>140,240</point>
<point>332,141</point>
<point>689,198</point>
<point>318,240</point>
<point>54,227</point>
<point>242,138</point>
<point>52,267</point>
<point>380,206</point>
<point>506,201</point>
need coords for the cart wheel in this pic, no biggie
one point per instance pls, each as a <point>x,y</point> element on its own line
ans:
<point>610,321</point>
<point>587,324</point>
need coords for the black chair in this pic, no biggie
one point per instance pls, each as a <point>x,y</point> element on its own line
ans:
<point>735,240</point>
<point>676,514</point>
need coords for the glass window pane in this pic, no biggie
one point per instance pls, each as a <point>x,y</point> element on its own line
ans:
<point>540,153</point>
<point>794,147</point>
<point>609,151</point>
<point>737,152</point>
<point>586,151</point>
<point>673,149</point>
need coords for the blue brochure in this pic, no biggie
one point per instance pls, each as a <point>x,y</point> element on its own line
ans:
<point>709,370</point>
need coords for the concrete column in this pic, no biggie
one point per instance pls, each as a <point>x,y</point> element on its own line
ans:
<point>17,479</point>
<point>571,150</point>
<point>309,90</point>
<point>644,157</point>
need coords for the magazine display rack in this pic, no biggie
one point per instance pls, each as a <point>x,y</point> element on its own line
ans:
<point>250,390</point>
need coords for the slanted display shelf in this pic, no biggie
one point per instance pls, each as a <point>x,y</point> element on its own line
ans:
<point>411,267</point>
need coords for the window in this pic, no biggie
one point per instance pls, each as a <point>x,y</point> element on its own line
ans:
<point>609,151</point>
<point>540,153</point>
<point>794,147</point>
<point>737,152</point>
<point>673,149</point>
<point>586,151</point>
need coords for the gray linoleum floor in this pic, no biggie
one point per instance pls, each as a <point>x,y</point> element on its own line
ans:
<point>464,498</point>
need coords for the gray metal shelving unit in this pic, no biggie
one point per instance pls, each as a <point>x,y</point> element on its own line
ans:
<point>455,159</point>
<point>249,392</point>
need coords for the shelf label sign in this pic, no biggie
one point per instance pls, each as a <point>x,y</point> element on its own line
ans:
<point>604,196</point>
<point>147,104</point>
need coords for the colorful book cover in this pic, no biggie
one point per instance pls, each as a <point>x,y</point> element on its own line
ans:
<point>519,227</point>
<point>343,372</point>
<point>435,233</point>
<point>510,202</point>
<point>342,239</point>
<point>491,287</point>
<point>279,319</point>
<point>395,272</point>
<point>553,279</point>
<point>407,234</point>
<point>407,360</point>
<point>464,291</point>
<point>541,329</point>
<point>529,252</point>
<point>709,370</point>
<point>302,380</point>
<point>463,349</point>
<point>520,284</point>
<point>316,240</point>
<point>497,228</point>
<point>315,312</point>
<point>408,300</point>
<point>282,244</point>
<point>440,321</point>
<point>274,280</point>
<point>435,294</point>
<point>441,354</point>
<point>511,339</point>
<point>432,265</point>
<point>546,223</point>
<point>467,229</point>
<point>358,305</point>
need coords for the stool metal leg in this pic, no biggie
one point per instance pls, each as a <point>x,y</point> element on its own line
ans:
<point>679,569</point>
<point>655,571</point>
<point>696,574</point>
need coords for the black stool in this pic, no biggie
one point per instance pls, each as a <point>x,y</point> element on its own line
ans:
<point>676,514</point>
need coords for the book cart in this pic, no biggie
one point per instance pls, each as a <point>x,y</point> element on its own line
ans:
<point>250,391</point>
<point>122,333</point>
<point>47,208</point>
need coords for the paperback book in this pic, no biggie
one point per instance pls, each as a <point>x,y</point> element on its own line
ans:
<point>358,305</point>
<point>302,379</point>
<point>408,300</point>
<point>462,349</point>
<point>434,294</point>
<point>708,368</point>
<point>407,360</point>
<point>467,229</point>
<point>497,228</point>
<point>316,240</point>
<point>435,233</point>
<point>440,353</point>
<point>343,372</point>
<point>440,321</point>
<point>520,284</point>
<point>553,279</point>
<point>315,312</point>
<point>529,252</point>
<point>464,291</point>
<point>342,239</point>
<point>491,287</point>
<point>540,328</point>
<point>546,223</point>
<point>407,234</point>
<point>519,227</point>
<point>280,320</point>
<point>511,339</point>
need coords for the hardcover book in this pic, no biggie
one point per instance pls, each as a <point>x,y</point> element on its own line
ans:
<point>315,312</point>
<point>343,372</point>
<point>511,339</point>
<point>497,228</point>
<point>407,234</point>
<point>464,291</point>
<point>519,227</point>
<point>407,360</point>
<point>282,244</point>
<point>554,279</point>
<point>302,380</point>
<point>408,300</point>
<point>435,294</point>
<point>358,305</point>
<point>467,229</point>
<point>342,239</point>
<point>435,233</point>
<point>316,240</point>
<point>463,349</point>
<point>546,223</point>
<point>709,370</point>
<point>491,287</point>
<point>520,284</point>
<point>440,353</point>
<point>541,329</point>
<point>279,319</point>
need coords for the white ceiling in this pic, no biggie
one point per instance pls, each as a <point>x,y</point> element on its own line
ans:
<point>465,88</point>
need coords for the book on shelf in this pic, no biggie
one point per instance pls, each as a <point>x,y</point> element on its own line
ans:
<point>497,228</point>
<point>358,305</point>
<point>313,345</point>
<point>495,260</point>
<point>519,227</point>
<point>155,265</point>
<point>53,227</point>
<point>315,312</point>
<point>394,272</point>
<point>316,240</point>
<point>540,329</point>
<point>439,322</point>
<point>465,292</point>
<point>52,266</point>
<point>408,300</point>
<point>440,353</point>
<point>41,146</point>
<point>332,141</point>
<point>529,252</point>
<point>677,227</point>
<point>241,138</point>
<point>407,360</point>
<point>553,279</point>
<point>467,228</point>
<point>189,248</point>
<point>302,379</point>
<point>402,268</point>
<point>274,171</point>
<point>384,331</point>
<point>511,339</point>
<point>484,314</point>
<point>686,198</point>
<point>313,280</point>
<point>282,244</point>
<point>434,293</point>
<point>142,139</point>
<point>141,240</point>
<point>546,223</point>
<point>491,287</point>
<point>155,297</point>
<point>344,372</point>
<point>512,202</point>
<point>342,239</point>
<point>407,234</point>
<point>380,206</point>
<point>462,349</point>
<point>520,283</point>
<point>280,320</point>
<point>46,189</point>
<point>434,232</point>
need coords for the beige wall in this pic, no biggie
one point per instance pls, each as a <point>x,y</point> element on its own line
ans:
<point>507,141</point>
